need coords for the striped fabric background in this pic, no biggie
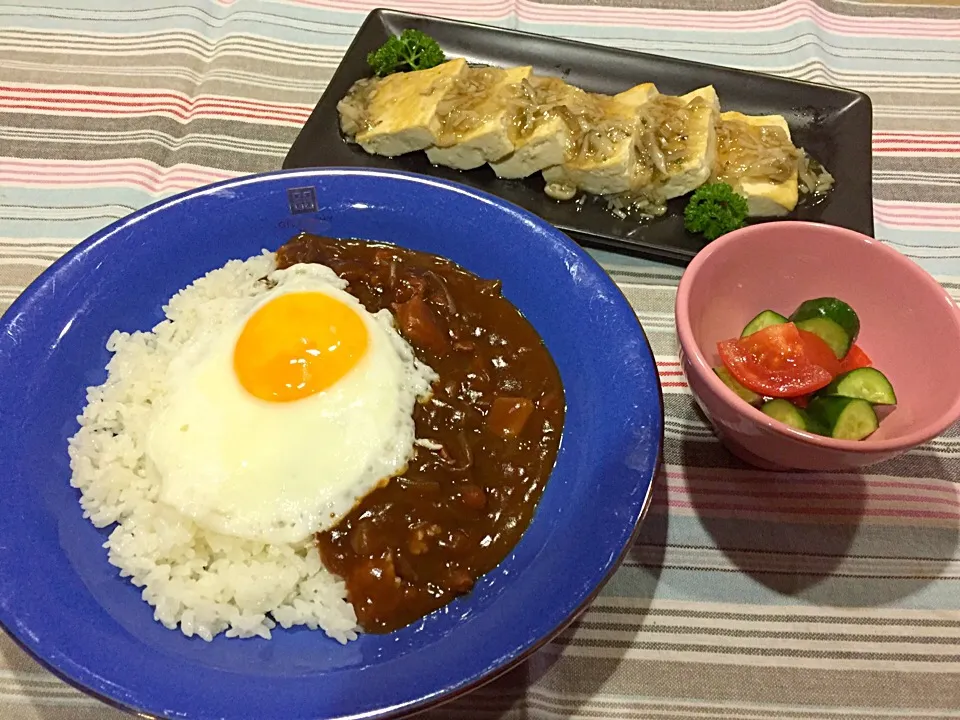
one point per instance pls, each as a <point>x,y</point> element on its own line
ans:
<point>748,595</point>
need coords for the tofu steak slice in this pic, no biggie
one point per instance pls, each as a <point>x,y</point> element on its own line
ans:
<point>537,127</point>
<point>601,156</point>
<point>757,158</point>
<point>398,114</point>
<point>474,118</point>
<point>679,142</point>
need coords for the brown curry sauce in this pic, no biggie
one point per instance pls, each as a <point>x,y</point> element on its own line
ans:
<point>492,427</point>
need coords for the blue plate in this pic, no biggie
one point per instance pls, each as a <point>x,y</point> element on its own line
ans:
<point>65,604</point>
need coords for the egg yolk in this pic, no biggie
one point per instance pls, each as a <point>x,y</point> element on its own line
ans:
<point>297,345</point>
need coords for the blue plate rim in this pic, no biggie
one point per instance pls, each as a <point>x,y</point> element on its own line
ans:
<point>34,289</point>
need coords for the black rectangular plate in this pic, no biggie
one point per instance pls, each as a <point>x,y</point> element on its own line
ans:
<point>834,125</point>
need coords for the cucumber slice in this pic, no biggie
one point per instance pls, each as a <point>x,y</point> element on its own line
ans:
<point>864,383</point>
<point>731,382</point>
<point>833,309</point>
<point>763,320</point>
<point>830,332</point>
<point>789,414</point>
<point>844,418</point>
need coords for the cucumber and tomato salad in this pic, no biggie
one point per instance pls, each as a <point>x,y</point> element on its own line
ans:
<point>807,371</point>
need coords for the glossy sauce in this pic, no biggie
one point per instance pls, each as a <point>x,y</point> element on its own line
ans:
<point>490,434</point>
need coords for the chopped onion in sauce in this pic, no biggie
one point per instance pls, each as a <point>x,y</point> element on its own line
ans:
<point>750,152</point>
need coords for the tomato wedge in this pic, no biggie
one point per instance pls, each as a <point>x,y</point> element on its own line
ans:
<point>776,362</point>
<point>855,359</point>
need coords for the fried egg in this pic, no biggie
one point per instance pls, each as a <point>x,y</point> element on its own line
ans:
<point>276,421</point>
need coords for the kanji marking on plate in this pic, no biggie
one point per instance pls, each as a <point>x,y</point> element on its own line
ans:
<point>302,200</point>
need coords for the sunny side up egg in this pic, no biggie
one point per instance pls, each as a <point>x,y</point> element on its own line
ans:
<point>274,424</point>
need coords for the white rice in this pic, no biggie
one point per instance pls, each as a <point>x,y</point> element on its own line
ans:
<point>200,581</point>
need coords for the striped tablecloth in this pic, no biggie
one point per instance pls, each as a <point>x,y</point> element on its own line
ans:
<point>748,595</point>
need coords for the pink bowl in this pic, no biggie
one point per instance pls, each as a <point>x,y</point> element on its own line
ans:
<point>910,328</point>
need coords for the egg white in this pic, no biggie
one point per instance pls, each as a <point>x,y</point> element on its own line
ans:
<point>278,472</point>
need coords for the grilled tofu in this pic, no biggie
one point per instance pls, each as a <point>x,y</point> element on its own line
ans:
<point>400,113</point>
<point>474,118</point>
<point>601,156</point>
<point>687,136</point>
<point>771,196</point>
<point>639,147</point>
<point>539,132</point>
